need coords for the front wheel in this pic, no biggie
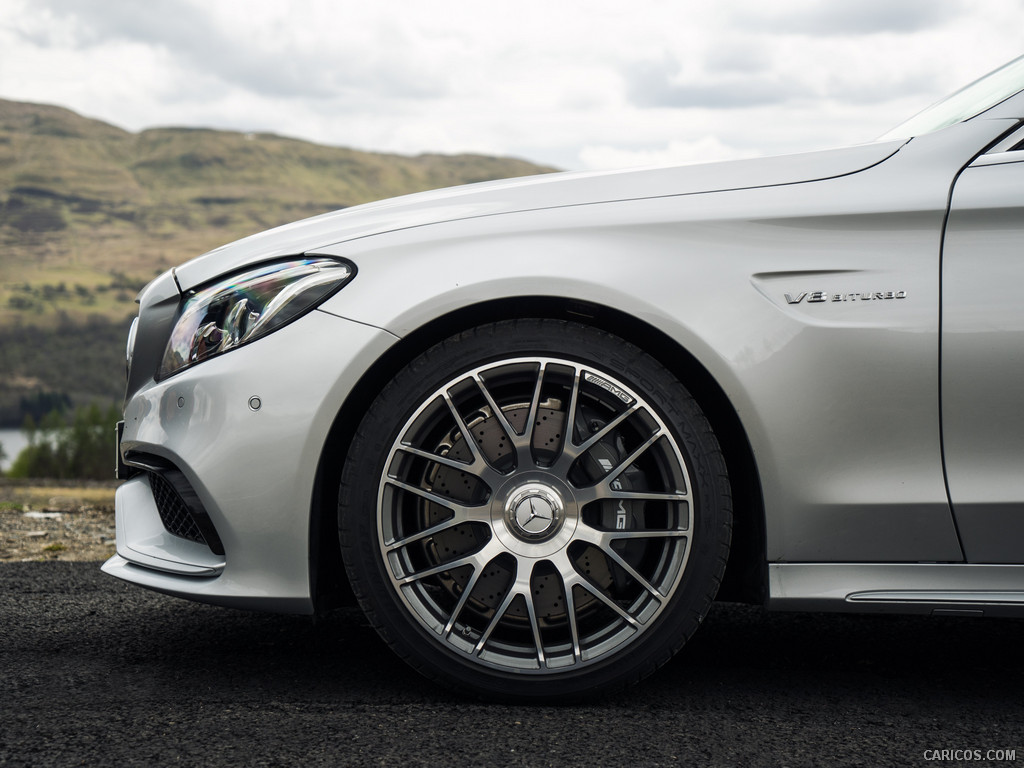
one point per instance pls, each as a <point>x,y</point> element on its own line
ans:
<point>534,510</point>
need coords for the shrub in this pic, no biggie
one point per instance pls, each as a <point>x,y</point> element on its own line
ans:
<point>82,449</point>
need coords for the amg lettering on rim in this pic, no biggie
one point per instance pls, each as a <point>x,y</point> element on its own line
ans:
<point>605,384</point>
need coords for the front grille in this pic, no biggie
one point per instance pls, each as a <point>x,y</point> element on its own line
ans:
<point>180,509</point>
<point>173,511</point>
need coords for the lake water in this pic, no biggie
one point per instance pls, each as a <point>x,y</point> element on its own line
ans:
<point>12,440</point>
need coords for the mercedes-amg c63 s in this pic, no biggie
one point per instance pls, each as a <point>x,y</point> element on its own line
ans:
<point>536,426</point>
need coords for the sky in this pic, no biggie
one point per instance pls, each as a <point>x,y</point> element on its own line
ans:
<point>573,84</point>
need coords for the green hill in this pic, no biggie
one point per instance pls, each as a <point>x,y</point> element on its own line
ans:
<point>89,213</point>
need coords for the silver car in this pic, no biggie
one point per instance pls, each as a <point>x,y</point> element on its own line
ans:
<point>538,425</point>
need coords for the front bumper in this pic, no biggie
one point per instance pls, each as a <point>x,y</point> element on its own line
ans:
<point>246,429</point>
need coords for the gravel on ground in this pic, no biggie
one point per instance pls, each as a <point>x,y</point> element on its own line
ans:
<point>56,520</point>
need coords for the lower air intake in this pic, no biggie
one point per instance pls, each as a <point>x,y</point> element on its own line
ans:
<point>173,511</point>
<point>180,510</point>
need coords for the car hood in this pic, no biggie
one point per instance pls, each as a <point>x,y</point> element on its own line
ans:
<point>522,194</point>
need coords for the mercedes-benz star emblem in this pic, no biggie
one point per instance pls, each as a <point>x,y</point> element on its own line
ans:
<point>534,515</point>
<point>534,512</point>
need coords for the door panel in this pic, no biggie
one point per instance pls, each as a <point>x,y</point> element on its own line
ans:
<point>983,358</point>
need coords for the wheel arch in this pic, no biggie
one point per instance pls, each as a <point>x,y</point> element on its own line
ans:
<point>745,577</point>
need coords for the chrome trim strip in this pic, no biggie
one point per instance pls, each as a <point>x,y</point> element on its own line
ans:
<point>999,158</point>
<point>1003,151</point>
<point>935,596</point>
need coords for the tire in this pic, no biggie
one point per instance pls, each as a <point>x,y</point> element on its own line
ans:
<point>534,510</point>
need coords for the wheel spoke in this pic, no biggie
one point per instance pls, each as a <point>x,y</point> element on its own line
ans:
<point>600,595</point>
<point>570,413</point>
<point>602,433</point>
<point>519,588</point>
<point>569,577</point>
<point>574,630</point>
<point>673,534</point>
<point>603,539</point>
<point>649,495</point>
<point>480,466</point>
<point>478,559</point>
<point>457,519</point>
<point>626,462</point>
<point>524,442</point>
<point>531,418</point>
<point>571,451</point>
<point>475,467</point>
<point>433,571</point>
<point>603,489</point>
<point>499,414</point>
<point>635,574</point>
<point>464,598</point>
<point>460,509</point>
<point>499,614</point>
<point>531,610</point>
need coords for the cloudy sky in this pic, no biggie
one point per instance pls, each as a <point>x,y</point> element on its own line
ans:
<point>565,82</point>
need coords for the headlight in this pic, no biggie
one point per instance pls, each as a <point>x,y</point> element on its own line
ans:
<point>129,349</point>
<point>245,307</point>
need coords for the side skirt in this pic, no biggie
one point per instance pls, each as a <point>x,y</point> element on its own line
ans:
<point>941,589</point>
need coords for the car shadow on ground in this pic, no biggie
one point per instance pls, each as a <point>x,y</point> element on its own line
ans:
<point>745,650</point>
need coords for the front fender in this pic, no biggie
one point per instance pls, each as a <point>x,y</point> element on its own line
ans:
<point>842,445</point>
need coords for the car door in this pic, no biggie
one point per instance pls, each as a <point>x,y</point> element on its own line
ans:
<point>982,373</point>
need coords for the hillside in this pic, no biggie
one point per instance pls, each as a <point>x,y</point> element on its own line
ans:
<point>89,213</point>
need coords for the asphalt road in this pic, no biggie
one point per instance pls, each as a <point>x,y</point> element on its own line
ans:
<point>94,672</point>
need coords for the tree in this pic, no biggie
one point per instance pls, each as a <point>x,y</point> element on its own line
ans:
<point>79,450</point>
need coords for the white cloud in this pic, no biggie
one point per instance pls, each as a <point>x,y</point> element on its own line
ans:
<point>569,83</point>
<point>704,150</point>
<point>845,19</point>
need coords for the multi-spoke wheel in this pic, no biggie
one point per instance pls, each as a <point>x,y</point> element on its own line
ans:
<point>535,509</point>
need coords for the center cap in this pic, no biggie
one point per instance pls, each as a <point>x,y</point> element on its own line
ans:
<point>534,512</point>
<point>534,515</point>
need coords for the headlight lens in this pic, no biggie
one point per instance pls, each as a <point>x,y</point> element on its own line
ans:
<point>245,307</point>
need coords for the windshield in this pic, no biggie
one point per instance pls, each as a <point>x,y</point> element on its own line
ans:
<point>966,103</point>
